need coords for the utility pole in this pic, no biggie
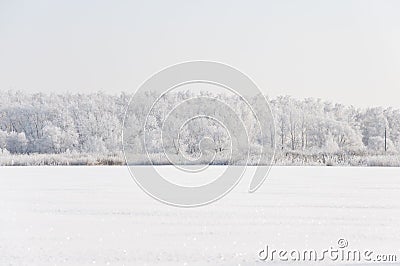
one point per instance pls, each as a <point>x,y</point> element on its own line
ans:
<point>385,139</point>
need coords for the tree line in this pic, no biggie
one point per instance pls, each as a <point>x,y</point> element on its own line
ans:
<point>92,123</point>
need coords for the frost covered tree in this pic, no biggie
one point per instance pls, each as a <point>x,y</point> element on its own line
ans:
<point>393,130</point>
<point>16,142</point>
<point>3,141</point>
<point>92,123</point>
<point>374,126</point>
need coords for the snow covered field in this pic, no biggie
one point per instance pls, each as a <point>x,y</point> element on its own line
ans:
<point>99,216</point>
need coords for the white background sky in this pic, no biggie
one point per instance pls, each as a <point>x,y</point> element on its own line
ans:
<point>343,50</point>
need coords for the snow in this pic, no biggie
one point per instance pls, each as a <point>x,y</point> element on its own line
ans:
<point>99,216</point>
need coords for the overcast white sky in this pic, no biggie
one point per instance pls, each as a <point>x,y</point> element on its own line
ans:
<point>342,50</point>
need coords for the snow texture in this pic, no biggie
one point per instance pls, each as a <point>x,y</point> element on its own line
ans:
<point>99,216</point>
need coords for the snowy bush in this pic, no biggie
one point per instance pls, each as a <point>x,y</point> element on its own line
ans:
<point>377,144</point>
<point>16,142</point>
<point>3,140</point>
<point>94,144</point>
